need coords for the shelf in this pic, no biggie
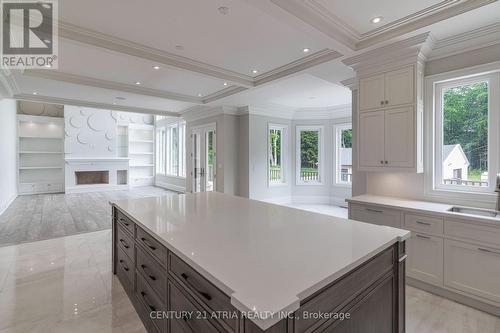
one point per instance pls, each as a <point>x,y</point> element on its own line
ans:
<point>40,167</point>
<point>39,152</point>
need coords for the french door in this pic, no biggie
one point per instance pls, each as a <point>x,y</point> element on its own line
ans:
<point>203,154</point>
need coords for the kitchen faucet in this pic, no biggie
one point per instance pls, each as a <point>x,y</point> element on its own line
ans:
<point>497,189</point>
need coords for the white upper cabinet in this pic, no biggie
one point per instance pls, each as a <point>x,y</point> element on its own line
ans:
<point>373,92</point>
<point>390,98</point>
<point>399,87</point>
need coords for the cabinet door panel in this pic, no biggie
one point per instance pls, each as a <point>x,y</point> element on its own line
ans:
<point>399,87</point>
<point>371,139</point>
<point>473,269</point>
<point>400,137</point>
<point>425,258</point>
<point>371,92</point>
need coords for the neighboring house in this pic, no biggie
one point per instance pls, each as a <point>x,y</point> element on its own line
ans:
<point>346,164</point>
<point>455,163</point>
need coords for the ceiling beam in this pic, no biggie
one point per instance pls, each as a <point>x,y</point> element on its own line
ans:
<point>96,105</point>
<point>104,84</point>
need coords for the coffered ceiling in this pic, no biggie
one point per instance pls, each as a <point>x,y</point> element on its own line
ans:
<point>168,56</point>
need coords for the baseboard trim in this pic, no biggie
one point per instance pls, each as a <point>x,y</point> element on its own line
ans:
<point>172,187</point>
<point>97,188</point>
<point>9,202</point>
<point>462,299</point>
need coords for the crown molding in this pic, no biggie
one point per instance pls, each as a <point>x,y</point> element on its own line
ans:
<point>223,93</point>
<point>351,83</point>
<point>340,111</point>
<point>467,41</point>
<point>90,37</point>
<point>202,111</point>
<point>316,15</point>
<point>104,84</point>
<point>293,67</point>
<point>105,106</point>
<point>413,49</point>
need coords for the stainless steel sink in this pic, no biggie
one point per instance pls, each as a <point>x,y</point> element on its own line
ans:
<point>475,211</point>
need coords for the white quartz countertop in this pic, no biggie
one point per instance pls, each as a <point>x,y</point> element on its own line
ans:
<point>266,257</point>
<point>420,206</point>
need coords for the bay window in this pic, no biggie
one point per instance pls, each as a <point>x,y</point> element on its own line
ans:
<point>276,138</point>
<point>171,149</point>
<point>343,154</point>
<point>309,155</point>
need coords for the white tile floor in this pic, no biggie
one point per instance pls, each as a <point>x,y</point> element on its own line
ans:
<point>66,285</point>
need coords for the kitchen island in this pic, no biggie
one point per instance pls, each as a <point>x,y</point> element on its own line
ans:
<point>211,262</point>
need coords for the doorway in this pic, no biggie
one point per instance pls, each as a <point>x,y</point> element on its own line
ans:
<point>204,163</point>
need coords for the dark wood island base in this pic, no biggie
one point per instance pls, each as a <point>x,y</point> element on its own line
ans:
<point>170,296</point>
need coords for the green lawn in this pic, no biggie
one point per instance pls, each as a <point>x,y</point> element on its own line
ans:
<point>475,174</point>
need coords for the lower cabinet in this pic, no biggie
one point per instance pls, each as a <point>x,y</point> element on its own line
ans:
<point>375,215</point>
<point>473,269</point>
<point>425,258</point>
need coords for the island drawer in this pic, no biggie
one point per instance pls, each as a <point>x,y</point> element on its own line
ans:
<point>202,289</point>
<point>472,232</point>
<point>125,242</point>
<point>125,270</point>
<point>423,223</point>
<point>193,319</point>
<point>335,297</point>
<point>152,272</point>
<point>124,221</point>
<point>154,247</point>
<point>149,302</point>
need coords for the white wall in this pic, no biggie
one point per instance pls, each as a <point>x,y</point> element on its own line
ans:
<point>8,151</point>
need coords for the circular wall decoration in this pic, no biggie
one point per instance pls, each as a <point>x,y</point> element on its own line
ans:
<point>114,115</point>
<point>132,119</point>
<point>69,134</point>
<point>75,121</point>
<point>148,120</point>
<point>81,139</point>
<point>110,148</point>
<point>123,117</point>
<point>94,124</point>
<point>109,136</point>
<point>85,112</point>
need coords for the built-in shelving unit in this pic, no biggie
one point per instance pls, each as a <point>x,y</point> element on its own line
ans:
<point>141,154</point>
<point>40,157</point>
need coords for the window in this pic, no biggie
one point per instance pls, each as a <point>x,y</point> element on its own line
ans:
<point>276,137</point>
<point>466,137</point>
<point>309,155</point>
<point>343,154</point>
<point>171,150</point>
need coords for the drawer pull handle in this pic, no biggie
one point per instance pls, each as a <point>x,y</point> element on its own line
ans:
<point>125,245</point>
<point>423,223</point>
<point>151,307</point>
<point>373,210</point>
<point>423,237</point>
<point>124,267</point>
<point>124,222</point>
<point>147,244</point>
<point>488,251</point>
<point>152,277</point>
<point>204,294</point>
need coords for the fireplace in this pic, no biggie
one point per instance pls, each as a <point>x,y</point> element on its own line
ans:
<point>91,177</point>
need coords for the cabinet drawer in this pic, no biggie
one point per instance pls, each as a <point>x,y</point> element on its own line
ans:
<point>425,258</point>
<point>215,299</point>
<point>191,321</point>
<point>472,268</point>
<point>152,272</point>
<point>125,242</point>
<point>54,187</point>
<point>149,302</point>
<point>125,222</point>
<point>423,223</point>
<point>124,270</point>
<point>152,246</point>
<point>472,232</point>
<point>375,215</point>
<point>331,298</point>
<point>27,188</point>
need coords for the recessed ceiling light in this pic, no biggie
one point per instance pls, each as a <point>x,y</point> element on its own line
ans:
<point>199,95</point>
<point>46,5</point>
<point>114,103</point>
<point>35,92</point>
<point>255,71</point>
<point>225,84</point>
<point>306,50</point>
<point>48,65</point>
<point>47,41</point>
<point>156,67</point>
<point>138,83</point>
<point>120,98</point>
<point>377,19</point>
<point>223,10</point>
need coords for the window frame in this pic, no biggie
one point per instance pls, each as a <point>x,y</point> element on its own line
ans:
<point>283,149</point>
<point>321,150</point>
<point>337,130</point>
<point>160,167</point>
<point>166,127</point>
<point>493,132</point>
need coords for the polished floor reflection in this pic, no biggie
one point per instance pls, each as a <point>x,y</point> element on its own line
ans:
<point>66,285</point>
